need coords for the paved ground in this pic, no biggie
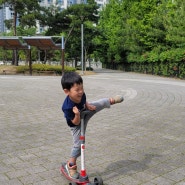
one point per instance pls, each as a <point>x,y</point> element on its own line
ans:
<point>138,142</point>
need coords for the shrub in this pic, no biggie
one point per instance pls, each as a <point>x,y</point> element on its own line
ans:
<point>22,69</point>
<point>87,68</point>
<point>44,67</point>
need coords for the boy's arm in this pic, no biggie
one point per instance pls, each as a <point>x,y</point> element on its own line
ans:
<point>76,119</point>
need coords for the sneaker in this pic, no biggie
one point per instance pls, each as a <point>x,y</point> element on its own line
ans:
<point>72,171</point>
<point>116,99</point>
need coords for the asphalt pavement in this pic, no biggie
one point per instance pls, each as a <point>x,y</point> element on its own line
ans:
<point>138,142</point>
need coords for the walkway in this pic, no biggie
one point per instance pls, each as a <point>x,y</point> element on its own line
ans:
<point>138,142</point>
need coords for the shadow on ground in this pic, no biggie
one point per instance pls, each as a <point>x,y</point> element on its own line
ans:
<point>127,167</point>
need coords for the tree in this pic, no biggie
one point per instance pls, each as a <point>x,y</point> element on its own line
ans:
<point>174,24</point>
<point>143,32</point>
<point>68,22</point>
<point>131,28</point>
<point>26,13</point>
<point>112,29</point>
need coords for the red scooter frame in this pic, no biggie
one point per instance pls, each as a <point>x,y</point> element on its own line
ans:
<point>83,178</point>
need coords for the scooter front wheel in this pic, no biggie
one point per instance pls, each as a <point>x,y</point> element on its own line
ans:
<point>98,181</point>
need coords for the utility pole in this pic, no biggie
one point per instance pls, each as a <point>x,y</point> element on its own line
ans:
<point>82,43</point>
<point>63,47</point>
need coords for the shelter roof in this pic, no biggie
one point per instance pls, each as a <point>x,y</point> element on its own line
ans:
<point>42,43</point>
<point>12,43</point>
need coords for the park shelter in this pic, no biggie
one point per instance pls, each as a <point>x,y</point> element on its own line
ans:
<point>42,43</point>
<point>12,43</point>
<point>24,43</point>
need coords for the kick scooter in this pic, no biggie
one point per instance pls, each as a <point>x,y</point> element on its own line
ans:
<point>83,177</point>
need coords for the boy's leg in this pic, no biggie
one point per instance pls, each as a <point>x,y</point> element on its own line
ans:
<point>101,104</point>
<point>76,131</point>
<point>71,166</point>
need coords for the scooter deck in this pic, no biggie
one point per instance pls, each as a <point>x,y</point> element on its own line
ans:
<point>64,172</point>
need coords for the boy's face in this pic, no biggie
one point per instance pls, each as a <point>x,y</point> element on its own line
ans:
<point>75,93</point>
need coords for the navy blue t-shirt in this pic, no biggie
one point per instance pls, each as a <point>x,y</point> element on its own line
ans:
<point>67,108</point>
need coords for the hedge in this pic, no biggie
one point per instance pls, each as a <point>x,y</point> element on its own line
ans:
<point>44,67</point>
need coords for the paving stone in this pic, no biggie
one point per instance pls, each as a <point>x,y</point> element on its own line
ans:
<point>138,142</point>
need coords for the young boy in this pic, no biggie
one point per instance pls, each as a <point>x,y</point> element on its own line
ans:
<point>75,101</point>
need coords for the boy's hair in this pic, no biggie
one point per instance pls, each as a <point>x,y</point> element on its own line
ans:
<point>69,79</point>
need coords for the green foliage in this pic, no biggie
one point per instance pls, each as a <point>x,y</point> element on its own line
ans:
<point>22,69</point>
<point>28,12</point>
<point>21,31</point>
<point>148,35</point>
<point>69,22</point>
<point>44,67</point>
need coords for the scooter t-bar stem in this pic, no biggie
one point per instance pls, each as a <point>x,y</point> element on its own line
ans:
<point>82,138</point>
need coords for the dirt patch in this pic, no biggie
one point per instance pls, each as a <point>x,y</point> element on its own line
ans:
<point>4,69</point>
<point>86,72</point>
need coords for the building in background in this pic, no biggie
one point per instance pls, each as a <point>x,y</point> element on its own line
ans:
<point>7,14</point>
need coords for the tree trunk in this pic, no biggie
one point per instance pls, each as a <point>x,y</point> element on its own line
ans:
<point>14,58</point>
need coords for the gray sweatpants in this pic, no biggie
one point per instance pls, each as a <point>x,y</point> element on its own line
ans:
<point>76,131</point>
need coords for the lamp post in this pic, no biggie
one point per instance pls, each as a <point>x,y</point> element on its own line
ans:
<point>63,54</point>
<point>82,44</point>
<point>30,60</point>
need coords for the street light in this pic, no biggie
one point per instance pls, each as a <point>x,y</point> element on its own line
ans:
<point>30,61</point>
<point>82,44</point>
<point>63,47</point>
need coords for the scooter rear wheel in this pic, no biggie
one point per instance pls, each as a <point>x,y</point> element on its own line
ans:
<point>98,181</point>
<point>73,183</point>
